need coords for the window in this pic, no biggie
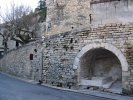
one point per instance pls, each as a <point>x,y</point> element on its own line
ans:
<point>17,44</point>
<point>31,56</point>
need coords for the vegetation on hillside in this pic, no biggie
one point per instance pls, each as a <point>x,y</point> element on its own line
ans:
<point>20,23</point>
<point>42,10</point>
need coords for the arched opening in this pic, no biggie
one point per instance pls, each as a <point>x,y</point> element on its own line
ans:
<point>101,65</point>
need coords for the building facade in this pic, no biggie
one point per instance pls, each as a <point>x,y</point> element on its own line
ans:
<point>97,39</point>
<point>89,43</point>
<point>67,15</point>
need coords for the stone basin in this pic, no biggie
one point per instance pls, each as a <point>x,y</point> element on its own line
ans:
<point>104,82</point>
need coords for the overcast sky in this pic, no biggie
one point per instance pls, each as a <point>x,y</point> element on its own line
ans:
<point>4,4</point>
<point>31,3</point>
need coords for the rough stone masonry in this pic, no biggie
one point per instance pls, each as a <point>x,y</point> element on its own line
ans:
<point>88,42</point>
<point>63,53</point>
<point>96,42</point>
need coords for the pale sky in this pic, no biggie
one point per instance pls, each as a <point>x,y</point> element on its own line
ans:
<point>31,3</point>
<point>4,4</point>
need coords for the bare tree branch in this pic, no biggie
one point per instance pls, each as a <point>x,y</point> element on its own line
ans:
<point>18,21</point>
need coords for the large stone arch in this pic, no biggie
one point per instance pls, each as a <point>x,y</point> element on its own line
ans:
<point>102,46</point>
<point>107,46</point>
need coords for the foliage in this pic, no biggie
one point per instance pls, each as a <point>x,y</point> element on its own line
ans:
<point>19,21</point>
<point>20,24</point>
<point>42,10</point>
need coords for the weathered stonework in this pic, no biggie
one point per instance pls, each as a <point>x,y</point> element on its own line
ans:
<point>63,51</point>
<point>17,62</point>
<point>88,26</point>
<point>67,15</point>
<point>88,47</point>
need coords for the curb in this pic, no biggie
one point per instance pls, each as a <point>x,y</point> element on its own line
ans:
<point>87,92</point>
<point>94,93</point>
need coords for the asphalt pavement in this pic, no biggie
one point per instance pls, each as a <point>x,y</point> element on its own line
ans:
<point>14,89</point>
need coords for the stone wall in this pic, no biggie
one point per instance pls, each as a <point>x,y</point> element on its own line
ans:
<point>1,46</point>
<point>63,51</point>
<point>59,60</point>
<point>67,15</point>
<point>116,11</point>
<point>19,62</point>
<point>41,30</point>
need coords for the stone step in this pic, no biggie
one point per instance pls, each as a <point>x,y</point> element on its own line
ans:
<point>103,80</point>
<point>97,81</point>
<point>116,87</point>
<point>108,84</point>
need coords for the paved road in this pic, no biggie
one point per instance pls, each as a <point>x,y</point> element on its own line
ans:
<point>13,89</point>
